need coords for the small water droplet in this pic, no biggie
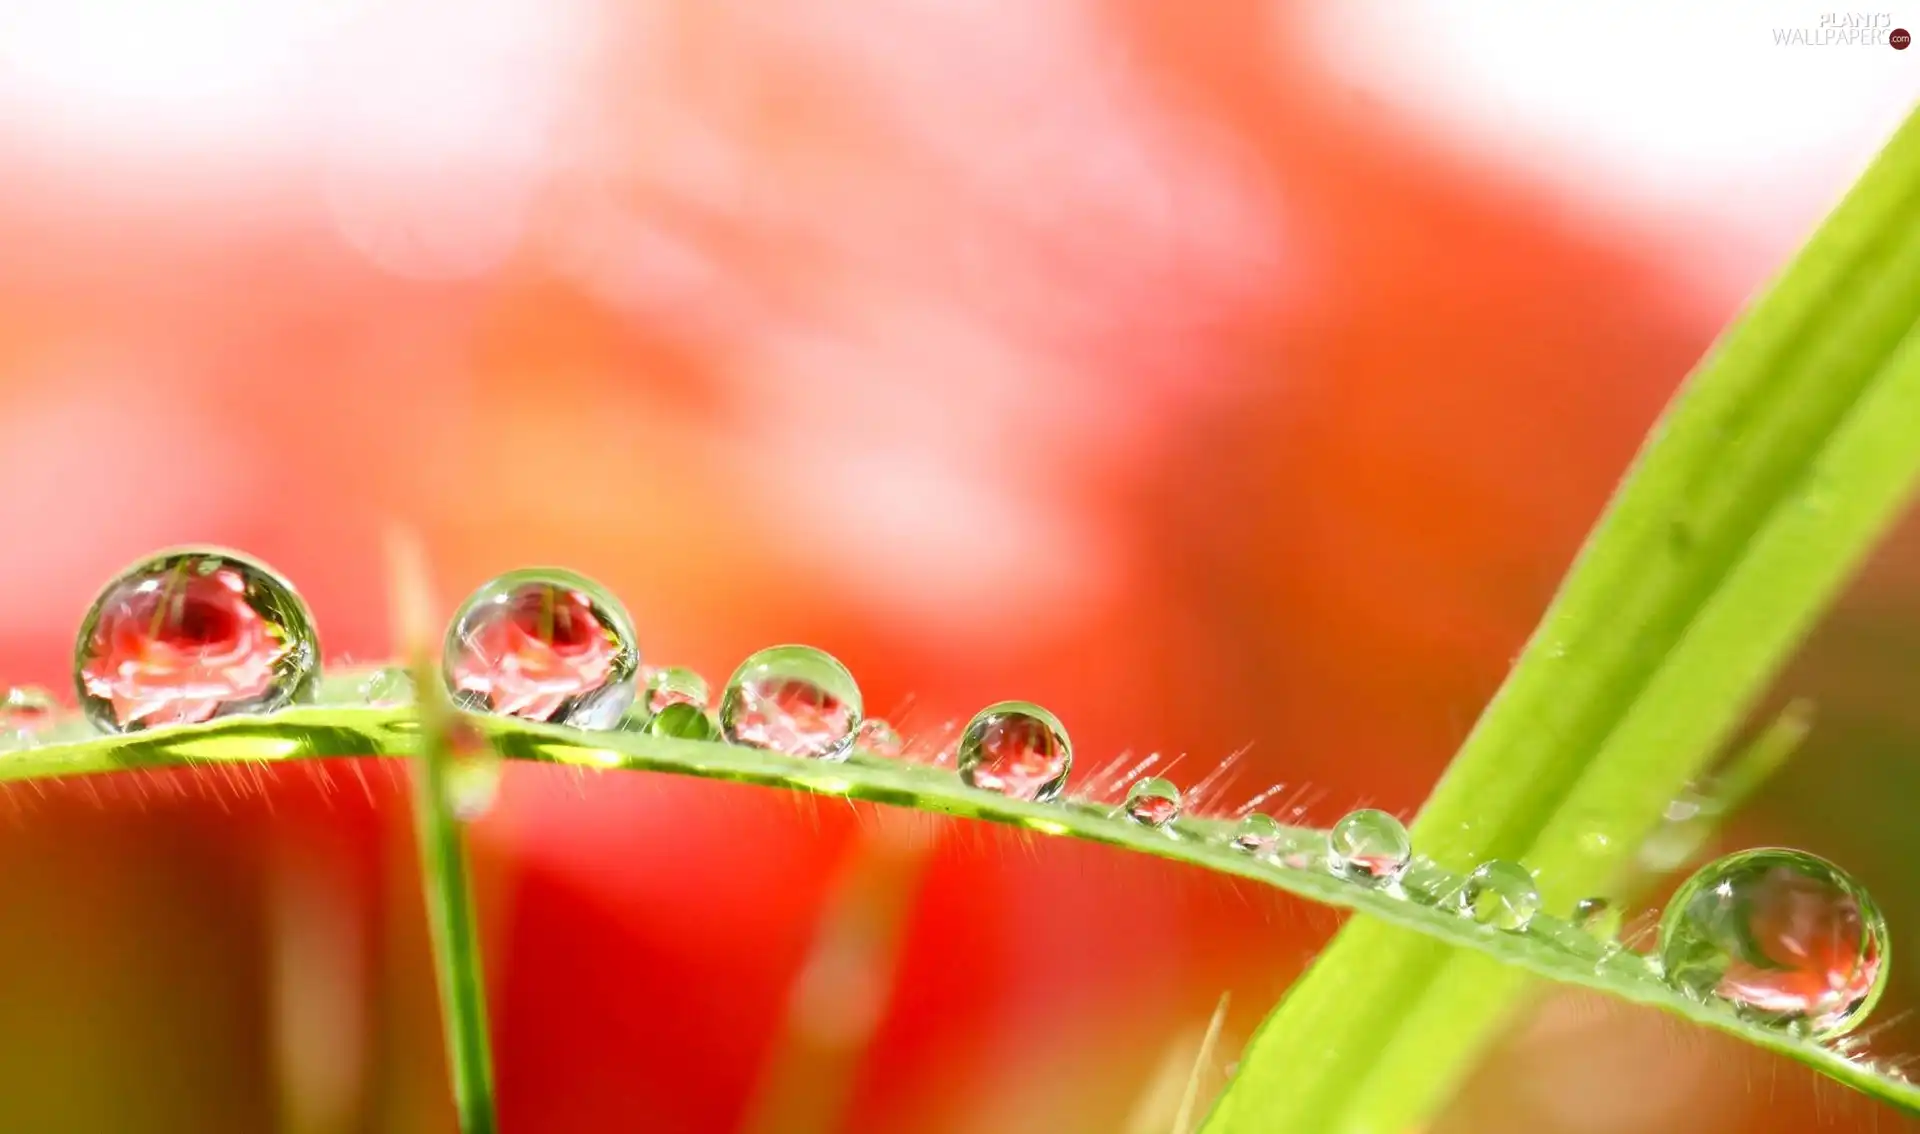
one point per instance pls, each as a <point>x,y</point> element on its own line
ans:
<point>390,686</point>
<point>470,778</point>
<point>1153,802</point>
<point>26,708</point>
<point>544,645</point>
<point>189,635</point>
<point>880,738</point>
<point>1369,845</point>
<point>1501,894</point>
<point>1257,835</point>
<point>682,720</point>
<point>1016,748</point>
<point>1786,937</point>
<point>1599,917</point>
<point>676,685</point>
<point>792,699</point>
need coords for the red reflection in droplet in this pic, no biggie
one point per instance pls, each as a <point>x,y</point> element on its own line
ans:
<point>1817,957</point>
<point>1153,810</point>
<point>173,646</point>
<point>1018,755</point>
<point>534,650</point>
<point>791,715</point>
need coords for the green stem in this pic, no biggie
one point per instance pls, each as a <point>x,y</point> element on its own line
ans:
<point>448,883</point>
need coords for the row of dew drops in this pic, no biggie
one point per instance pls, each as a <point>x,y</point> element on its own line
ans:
<point>188,635</point>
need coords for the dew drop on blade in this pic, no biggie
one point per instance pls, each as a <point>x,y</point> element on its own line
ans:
<point>1015,748</point>
<point>25,711</point>
<point>388,687</point>
<point>682,720</point>
<point>1501,894</point>
<point>676,685</point>
<point>792,699</point>
<point>1257,835</point>
<point>1787,938</point>
<point>543,645</point>
<point>880,738</point>
<point>1600,918</point>
<point>1369,845</point>
<point>1152,802</point>
<point>188,635</point>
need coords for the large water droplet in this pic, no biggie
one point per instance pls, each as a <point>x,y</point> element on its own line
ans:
<point>1599,917</point>
<point>1501,894</point>
<point>880,738</point>
<point>675,685</point>
<point>544,645</point>
<point>1015,748</point>
<point>792,699</point>
<point>189,635</point>
<point>1369,845</point>
<point>1257,835</point>
<point>1786,937</point>
<point>1153,802</point>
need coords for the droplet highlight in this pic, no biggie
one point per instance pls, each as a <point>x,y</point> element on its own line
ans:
<point>880,738</point>
<point>1257,835</point>
<point>189,635</point>
<point>792,699</point>
<point>1369,845</point>
<point>543,645</point>
<point>1015,748</point>
<point>1786,937</point>
<point>1501,894</point>
<point>1152,802</point>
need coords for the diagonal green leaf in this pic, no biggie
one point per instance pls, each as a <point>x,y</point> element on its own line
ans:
<point>1787,454</point>
<point>1550,948</point>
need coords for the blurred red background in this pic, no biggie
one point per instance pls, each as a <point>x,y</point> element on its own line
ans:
<point>1218,376</point>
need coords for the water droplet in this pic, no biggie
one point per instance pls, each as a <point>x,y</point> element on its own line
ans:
<point>1257,835</point>
<point>682,720</point>
<point>544,645</point>
<point>792,699</point>
<point>470,778</point>
<point>880,738</point>
<point>1599,917</point>
<point>26,708</point>
<point>1015,748</point>
<point>189,635</point>
<point>1787,938</point>
<point>1369,845</point>
<point>390,686</point>
<point>1153,802</point>
<point>1501,894</point>
<point>675,685</point>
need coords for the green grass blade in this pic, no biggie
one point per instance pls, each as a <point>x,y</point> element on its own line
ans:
<point>1788,453</point>
<point>445,879</point>
<point>1549,948</point>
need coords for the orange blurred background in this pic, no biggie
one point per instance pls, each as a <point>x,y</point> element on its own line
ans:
<point>1220,376</point>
